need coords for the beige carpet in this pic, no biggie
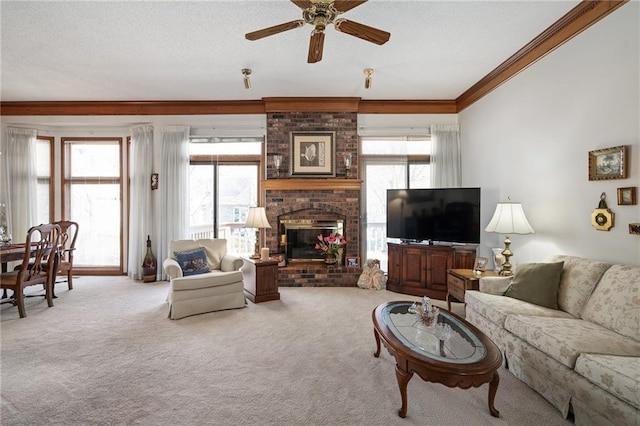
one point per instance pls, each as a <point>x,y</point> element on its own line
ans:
<point>106,354</point>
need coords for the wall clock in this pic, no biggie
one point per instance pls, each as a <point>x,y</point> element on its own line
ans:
<point>602,218</point>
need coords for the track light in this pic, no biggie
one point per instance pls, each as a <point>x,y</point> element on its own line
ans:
<point>367,80</point>
<point>246,72</point>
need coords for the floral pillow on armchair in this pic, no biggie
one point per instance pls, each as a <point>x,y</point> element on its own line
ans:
<point>192,262</point>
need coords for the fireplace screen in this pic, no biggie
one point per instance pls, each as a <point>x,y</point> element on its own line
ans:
<point>299,237</point>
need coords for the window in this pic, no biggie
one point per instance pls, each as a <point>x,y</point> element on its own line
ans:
<point>44,155</point>
<point>222,186</point>
<point>389,163</point>
<point>92,186</point>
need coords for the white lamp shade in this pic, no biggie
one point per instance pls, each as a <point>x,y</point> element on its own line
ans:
<point>509,218</point>
<point>257,218</point>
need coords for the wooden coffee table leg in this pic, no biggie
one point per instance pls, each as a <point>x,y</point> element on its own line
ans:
<point>377,336</point>
<point>403,379</point>
<point>493,388</point>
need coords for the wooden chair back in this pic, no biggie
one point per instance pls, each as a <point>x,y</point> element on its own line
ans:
<point>40,256</point>
<point>68,237</point>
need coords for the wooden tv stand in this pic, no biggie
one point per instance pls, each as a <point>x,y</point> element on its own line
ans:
<point>421,269</point>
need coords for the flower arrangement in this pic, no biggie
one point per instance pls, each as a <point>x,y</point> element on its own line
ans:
<point>331,243</point>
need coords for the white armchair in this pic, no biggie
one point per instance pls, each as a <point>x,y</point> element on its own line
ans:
<point>203,278</point>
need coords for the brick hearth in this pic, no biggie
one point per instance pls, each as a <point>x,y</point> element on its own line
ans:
<point>335,197</point>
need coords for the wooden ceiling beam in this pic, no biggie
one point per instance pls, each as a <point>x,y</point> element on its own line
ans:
<point>578,19</point>
<point>132,107</point>
<point>581,17</point>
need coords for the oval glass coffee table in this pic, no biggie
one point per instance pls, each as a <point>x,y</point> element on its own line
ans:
<point>467,358</point>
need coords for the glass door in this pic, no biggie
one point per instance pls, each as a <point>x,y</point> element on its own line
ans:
<point>92,196</point>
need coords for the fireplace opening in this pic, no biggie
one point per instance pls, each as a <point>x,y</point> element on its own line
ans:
<point>298,237</point>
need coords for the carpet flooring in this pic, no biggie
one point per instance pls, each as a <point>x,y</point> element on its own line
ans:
<point>106,354</point>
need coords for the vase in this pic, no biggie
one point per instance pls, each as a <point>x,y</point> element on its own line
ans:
<point>498,259</point>
<point>330,259</point>
<point>149,265</point>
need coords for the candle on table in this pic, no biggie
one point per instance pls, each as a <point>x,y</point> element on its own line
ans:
<point>264,253</point>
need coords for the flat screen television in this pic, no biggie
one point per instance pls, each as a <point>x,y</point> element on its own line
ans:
<point>447,215</point>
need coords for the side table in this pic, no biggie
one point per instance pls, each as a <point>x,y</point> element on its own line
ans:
<point>461,280</point>
<point>260,279</point>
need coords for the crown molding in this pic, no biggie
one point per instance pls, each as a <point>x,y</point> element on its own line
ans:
<point>581,17</point>
<point>578,19</point>
<point>131,107</point>
<point>407,106</point>
<point>318,104</point>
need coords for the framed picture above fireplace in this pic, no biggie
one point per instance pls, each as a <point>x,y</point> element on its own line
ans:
<point>313,154</point>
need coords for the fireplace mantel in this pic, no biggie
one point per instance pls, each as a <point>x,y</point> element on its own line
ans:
<point>311,184</point>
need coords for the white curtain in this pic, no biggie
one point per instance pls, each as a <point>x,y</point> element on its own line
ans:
<point>140,225</point>
<point>446,167</point>
<point>174,189</point>
<point>19,180</point>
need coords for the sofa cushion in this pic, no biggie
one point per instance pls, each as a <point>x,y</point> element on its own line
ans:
<point>615,302</point>
<point>579,278</point>
<point>619,375</point>
<point>496,308</point>
<point>182,245</point>
<point>565,339</point>
<point>536,283</point>
<point>192,262</point>
<point>210,279</point>
<point>216,249</point>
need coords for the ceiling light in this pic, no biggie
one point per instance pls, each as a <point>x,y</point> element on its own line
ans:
<point>246,72</point>
<point>367,79</point>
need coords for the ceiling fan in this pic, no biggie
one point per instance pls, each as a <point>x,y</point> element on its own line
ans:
<point>320,14</point>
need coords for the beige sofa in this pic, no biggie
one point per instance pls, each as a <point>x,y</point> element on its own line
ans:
<point>203,277</point>
<point>584,357</point>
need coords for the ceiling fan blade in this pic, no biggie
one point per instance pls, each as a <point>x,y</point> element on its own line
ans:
<point>256,35</point>
<point>316,44</point>
<point>362,31</point>
<point>303,4</point>
<point>345,5</point>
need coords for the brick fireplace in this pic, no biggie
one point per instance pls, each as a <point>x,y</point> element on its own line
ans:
<point>327,199</point>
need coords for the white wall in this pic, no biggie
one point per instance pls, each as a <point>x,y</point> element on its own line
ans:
<point>529,139</point>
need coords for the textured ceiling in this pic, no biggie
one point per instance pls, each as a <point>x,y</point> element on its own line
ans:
<point>183,50</point>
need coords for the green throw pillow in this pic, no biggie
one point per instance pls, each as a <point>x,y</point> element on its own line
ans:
<point>537,283</point>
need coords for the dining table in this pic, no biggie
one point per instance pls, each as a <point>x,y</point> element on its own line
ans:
<point>15,252</point>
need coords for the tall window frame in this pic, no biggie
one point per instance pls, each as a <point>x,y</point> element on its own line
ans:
<point>223,160</point>
<point>69,180</point>
<point>388,163</point>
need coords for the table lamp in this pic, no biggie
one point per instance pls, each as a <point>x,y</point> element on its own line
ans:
<point>508,219</point>
<point>257,218</point>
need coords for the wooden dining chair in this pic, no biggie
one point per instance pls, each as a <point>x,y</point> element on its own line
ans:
<point>40,256</point>
<point>68,236</point>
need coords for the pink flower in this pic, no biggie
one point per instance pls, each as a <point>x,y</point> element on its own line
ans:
<point>331,243</point>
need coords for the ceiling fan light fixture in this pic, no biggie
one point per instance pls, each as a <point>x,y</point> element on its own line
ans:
<point>247,82</point>
<point>320,14</point>
<point>368,72</point>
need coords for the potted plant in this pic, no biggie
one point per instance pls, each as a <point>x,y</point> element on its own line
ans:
<point>331,246</point>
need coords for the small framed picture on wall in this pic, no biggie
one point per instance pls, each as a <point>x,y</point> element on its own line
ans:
<point>608,163</point>
<point>627,196</point>
<point>313,154</point>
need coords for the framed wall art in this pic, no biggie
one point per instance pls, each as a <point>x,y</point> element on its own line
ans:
<point>313,154</point>
<point>154,181</point>
<point>627,196</point>
<point>608,163</point>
